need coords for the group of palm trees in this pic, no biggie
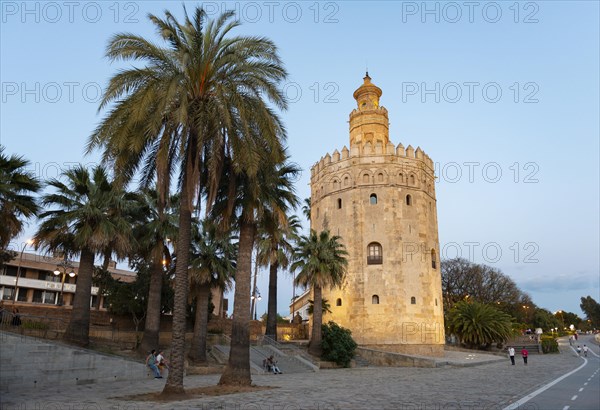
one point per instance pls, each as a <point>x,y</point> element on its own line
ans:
<point>196,116</point>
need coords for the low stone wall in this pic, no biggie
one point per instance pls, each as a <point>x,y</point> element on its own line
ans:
<point>433,350</point>
<point>391,359</point>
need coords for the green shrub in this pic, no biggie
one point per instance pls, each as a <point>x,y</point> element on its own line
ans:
<point>549,344</point>
<point>338,345</point>
<point>35,325</point>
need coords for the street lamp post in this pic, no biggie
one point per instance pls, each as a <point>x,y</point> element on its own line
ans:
<point>62,268</point>
<point>256,298</point>
<point>28,242</point>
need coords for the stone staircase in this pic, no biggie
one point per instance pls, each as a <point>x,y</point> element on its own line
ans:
<point>288,358</point>
<point>28,362</point>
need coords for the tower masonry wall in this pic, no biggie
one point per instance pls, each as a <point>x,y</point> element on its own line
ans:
<point>381,201</point>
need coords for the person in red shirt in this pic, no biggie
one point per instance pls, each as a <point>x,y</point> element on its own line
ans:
<point>524,353</point>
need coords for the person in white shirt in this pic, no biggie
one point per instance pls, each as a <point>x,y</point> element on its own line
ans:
<point>511,354</point>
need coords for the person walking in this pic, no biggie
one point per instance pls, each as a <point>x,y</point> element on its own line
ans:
<point>524,353</point>
<point>578,350</point>
<point>151,363</point>
<point>585,350</point>
<point>511,354</point>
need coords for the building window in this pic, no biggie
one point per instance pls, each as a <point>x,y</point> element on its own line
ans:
<point>373,199</point>
<point>11,271</point>
<point>433,264</point>
<point>375,300</point>
<point>380,177</point>
<point>413,300</point>
<point>7,294</point>
<point>346,181</point>
<point>408,200</point>
<point>339,203</point>
<point>436,301</point>
<point>42,296</point>
<point>412,180</point>
<point>366,178</point>
<point>375,255</point>
<point>338,302</point>
<point>22,295</point>
<point>401,177</point>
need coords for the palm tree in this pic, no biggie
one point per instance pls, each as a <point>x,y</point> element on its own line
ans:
<point>156,227</point>
<point>477,324</point>
<point>199,98</point>
<point>306,209</point>
<point>16,202</point>
<point>249,199</point>
<point>321,261</point>
<point>213,265</point>
<point>88,212</point>
<point>275,249</point>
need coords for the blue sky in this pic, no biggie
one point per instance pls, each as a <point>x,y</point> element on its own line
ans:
<point>503,96</point>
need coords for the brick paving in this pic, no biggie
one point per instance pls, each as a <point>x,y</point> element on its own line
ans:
<point>489,385</point>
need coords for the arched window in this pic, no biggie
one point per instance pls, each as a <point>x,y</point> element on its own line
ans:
<point>336,184</point>
<point>413,300</point>
<point>373,199</point>
<point>380,177</point>
<point>401,177</point>
<point>412,180</point>
<point>339,201</point>
<point>375,300</point>
<point>375,254</point>
<point>366,178</point>
<point>346,181</point>
<point>408,200</point>
<point>338,302</point>
<point>433,264</point>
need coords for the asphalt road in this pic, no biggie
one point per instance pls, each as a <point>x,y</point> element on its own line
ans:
<point>577,389</point>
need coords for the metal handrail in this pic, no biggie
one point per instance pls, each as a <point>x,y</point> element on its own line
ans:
<point>268,340</point>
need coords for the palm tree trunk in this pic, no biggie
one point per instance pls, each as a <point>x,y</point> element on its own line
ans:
<point>237,371</point>
<point>316,337</point>
<point>150,339</point>
<point>271,329</point>
<point>174,383</point>
<point>78,329</point>
<point>198,348</point>
<point>105,264</point>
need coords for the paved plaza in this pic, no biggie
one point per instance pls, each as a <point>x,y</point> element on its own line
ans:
<point>491,385</point>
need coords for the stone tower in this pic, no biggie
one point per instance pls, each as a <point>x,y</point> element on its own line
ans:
<point>380,199</point>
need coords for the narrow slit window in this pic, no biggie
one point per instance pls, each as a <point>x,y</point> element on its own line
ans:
<point>413,300</point>
<point>373,199</point>
<point>338,302</point>
<point>408,200</point>
<point>339,203</point>
<point>375,300</point>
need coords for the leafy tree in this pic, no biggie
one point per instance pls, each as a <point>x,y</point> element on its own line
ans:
<point>321,261</point>
<point>591,308</point>
<point>462,279</point>
<point>87,213</point>
<point>544,319</point>
<point>196,100</point>
<point>477,324</point>
<point>338,345</point>
<point>17,186</point>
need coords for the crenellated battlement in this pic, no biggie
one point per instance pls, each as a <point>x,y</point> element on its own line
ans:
<point>391,152</point>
